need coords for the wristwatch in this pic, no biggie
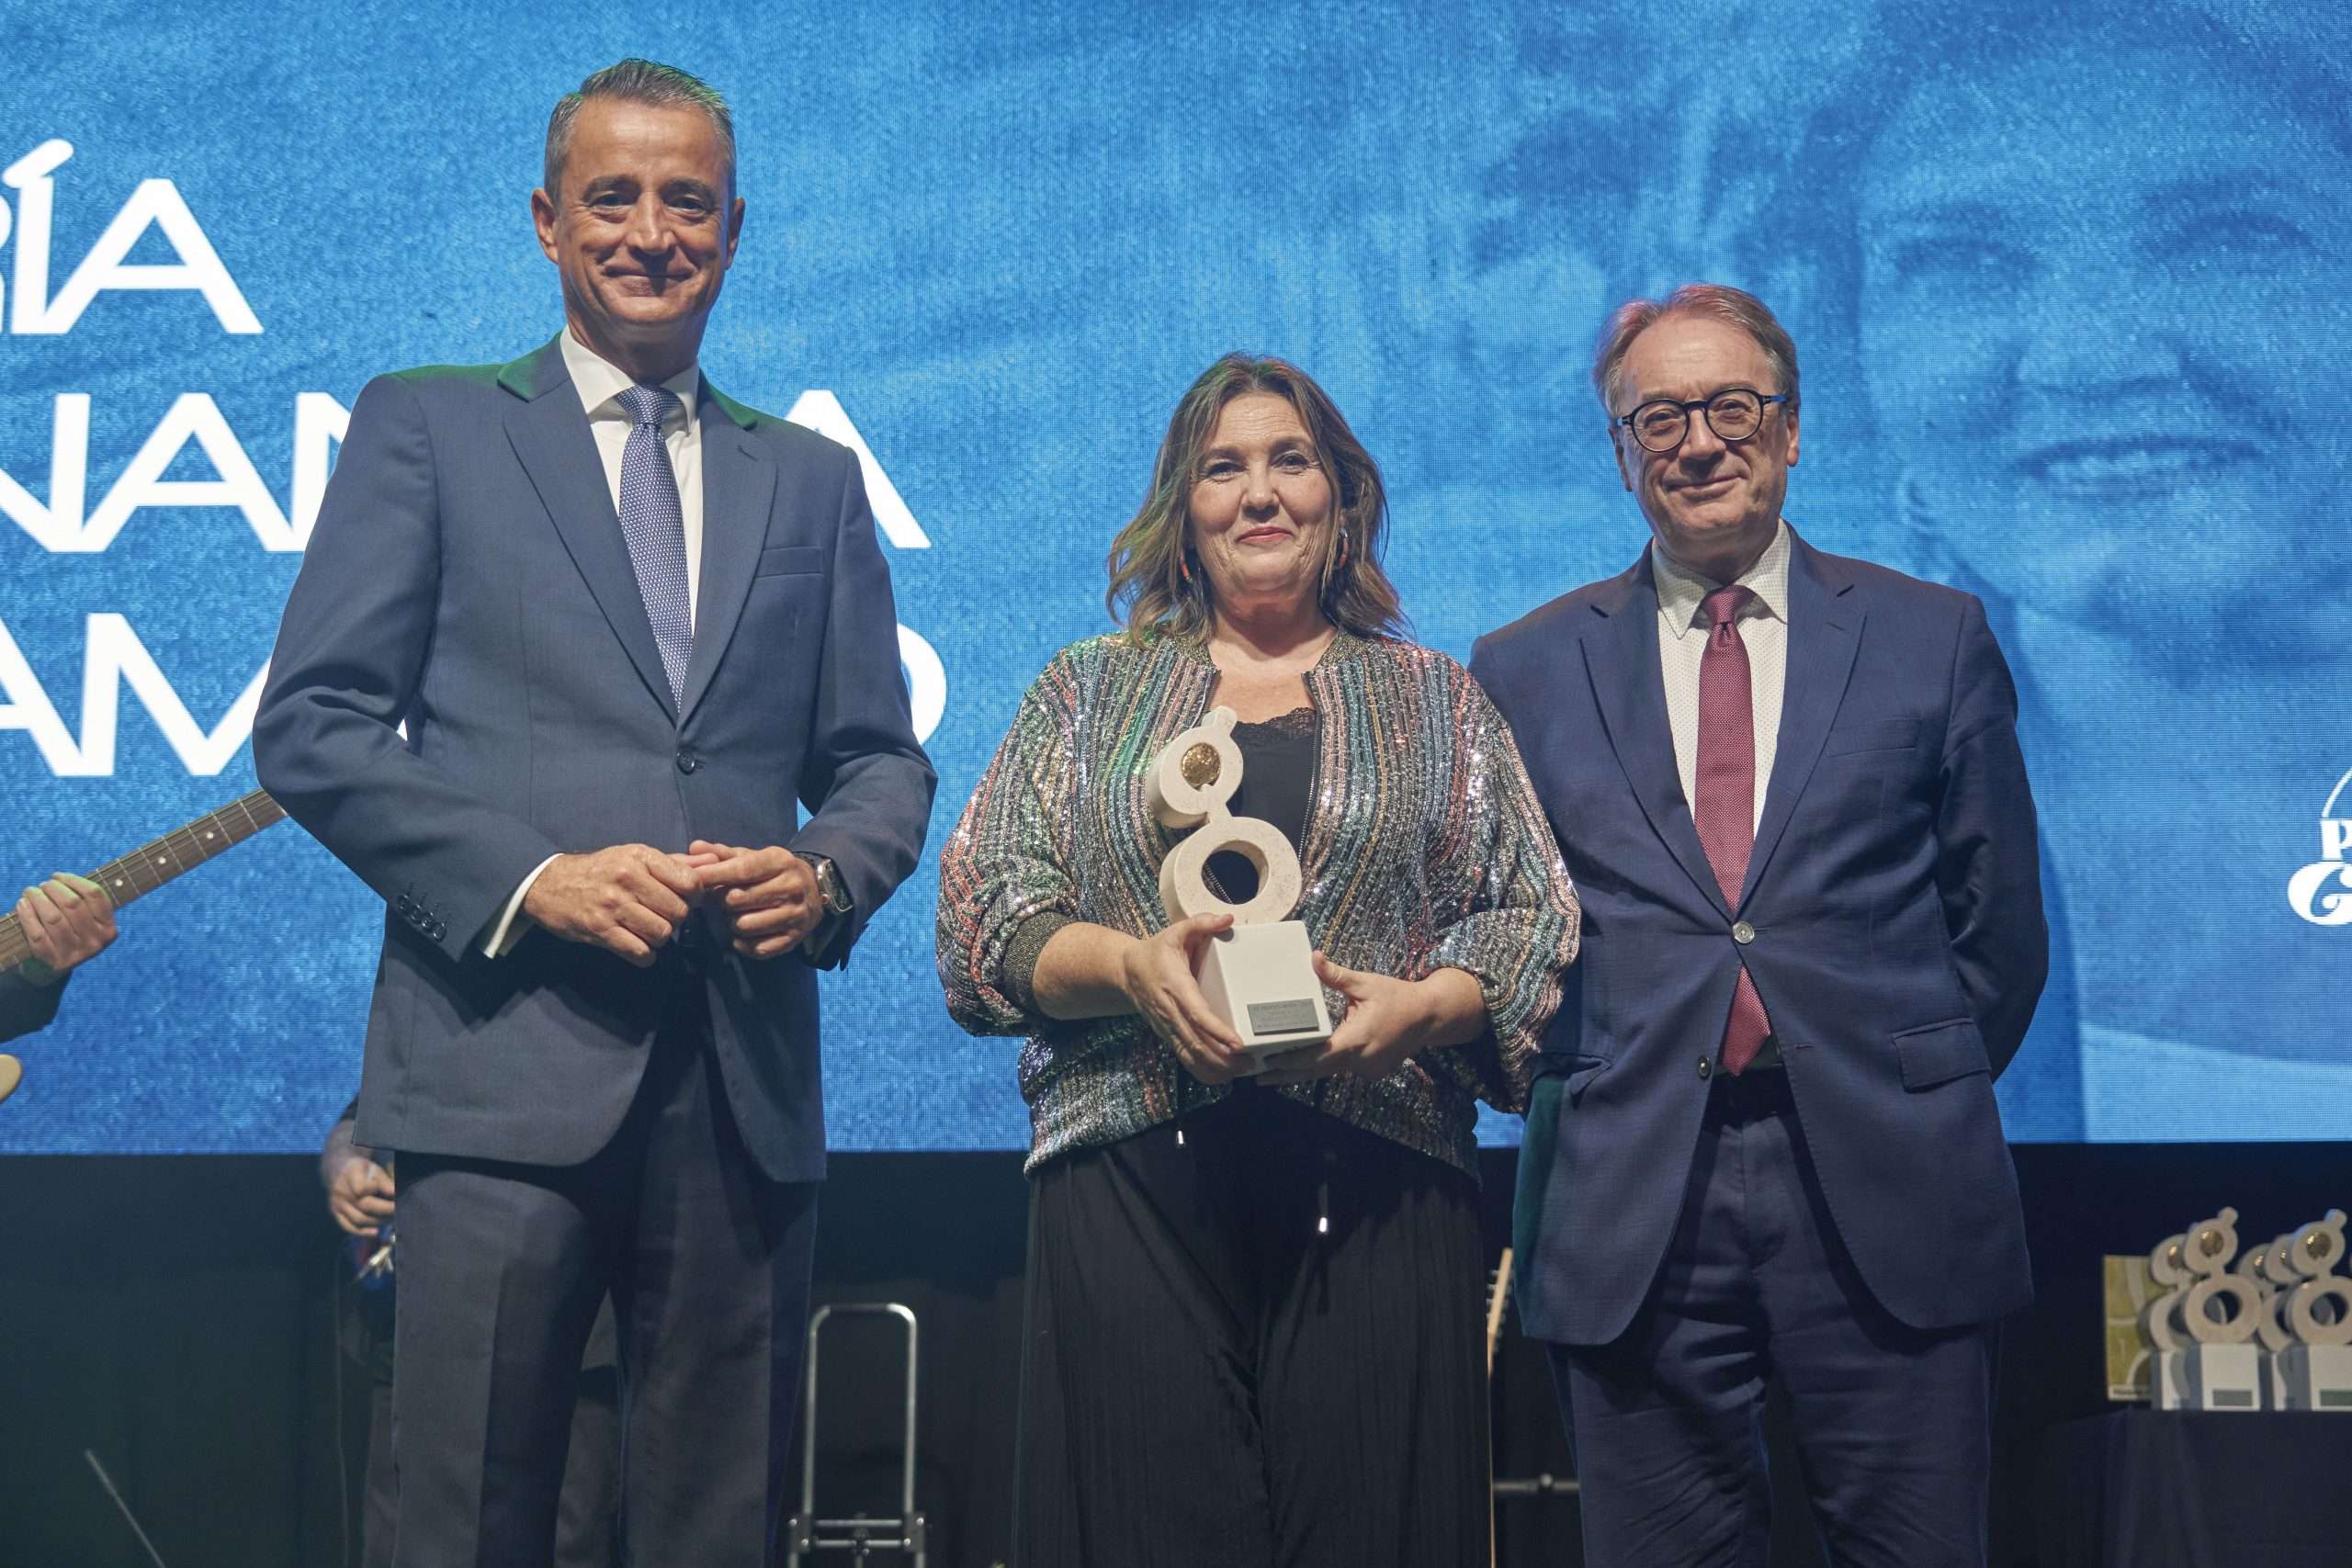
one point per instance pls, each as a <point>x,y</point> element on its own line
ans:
<point>829,885</point>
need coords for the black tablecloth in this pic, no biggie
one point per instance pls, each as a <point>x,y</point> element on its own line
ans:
<point>2157,1489</point>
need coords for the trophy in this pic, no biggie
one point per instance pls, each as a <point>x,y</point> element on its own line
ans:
<point>2306,1322</point>
<point>2202,1325</point>
<point>1258,975</point>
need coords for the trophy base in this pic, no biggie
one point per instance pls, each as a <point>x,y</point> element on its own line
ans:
<point>2169,1382</point>
<point>1261,979</point>
<point>2222,1377</point>
<point>2316,1377</point>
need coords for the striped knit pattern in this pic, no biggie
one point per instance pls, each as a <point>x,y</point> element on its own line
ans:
<point>1425,848</point>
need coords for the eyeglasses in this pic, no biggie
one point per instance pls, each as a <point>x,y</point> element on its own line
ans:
<point>1734,415</point>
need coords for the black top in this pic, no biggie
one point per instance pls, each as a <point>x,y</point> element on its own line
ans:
<point>25,1006</point>
<point>1277,781</point>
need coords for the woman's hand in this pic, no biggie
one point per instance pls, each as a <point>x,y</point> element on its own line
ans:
<point>1156,973</point>
<point>1386,1021</point>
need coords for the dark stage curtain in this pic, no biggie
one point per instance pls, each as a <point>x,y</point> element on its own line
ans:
<point>178,1318</point>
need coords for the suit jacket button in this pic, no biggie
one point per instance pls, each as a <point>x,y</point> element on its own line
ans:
<point>687,761</point>
<point>1742,933</point>
<point>1706,1067</point>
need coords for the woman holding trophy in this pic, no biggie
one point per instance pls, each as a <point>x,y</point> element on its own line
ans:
<point>1254,1316</point>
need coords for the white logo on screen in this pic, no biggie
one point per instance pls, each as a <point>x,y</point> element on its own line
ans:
<point>2322,891</point>
<point>926,676</point>
<point>113,656</point>
<point>156,204</point>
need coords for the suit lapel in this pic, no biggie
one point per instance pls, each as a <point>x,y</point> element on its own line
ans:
<point>550,437</point>
<point>1621,656</point>
<point>737,484</point>
<point>1824,630</point>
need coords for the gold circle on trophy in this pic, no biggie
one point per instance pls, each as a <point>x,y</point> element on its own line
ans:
<point>2209,1241</point>
<point>2319,1245</point>
<point>1200,765</point>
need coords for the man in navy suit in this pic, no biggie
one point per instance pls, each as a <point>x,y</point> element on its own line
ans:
<point>625,622</point>
<point>1763,1144</point>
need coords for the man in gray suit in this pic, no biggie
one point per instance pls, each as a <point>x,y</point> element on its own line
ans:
<point>625,622</point>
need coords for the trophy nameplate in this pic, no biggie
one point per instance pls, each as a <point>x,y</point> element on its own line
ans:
<point>1258,977</point>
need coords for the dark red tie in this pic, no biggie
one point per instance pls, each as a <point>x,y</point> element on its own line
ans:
<point>1725,809</point>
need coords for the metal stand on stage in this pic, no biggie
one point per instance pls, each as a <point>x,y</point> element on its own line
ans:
<point>1508,1488</point>
<point>859,1536</point>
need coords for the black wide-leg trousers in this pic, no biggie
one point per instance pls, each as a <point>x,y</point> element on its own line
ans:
<point>502,1268</point>
<point>1212,1375</point>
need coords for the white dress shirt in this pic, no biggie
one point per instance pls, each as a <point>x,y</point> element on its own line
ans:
<point>599,384</point>
<point>1682,632</point>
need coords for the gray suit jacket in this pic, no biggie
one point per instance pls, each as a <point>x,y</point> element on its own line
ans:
<point>468,579</point>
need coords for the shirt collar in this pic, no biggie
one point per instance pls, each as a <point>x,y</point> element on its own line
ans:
<point>1681,591</point>
<point>599,381</point>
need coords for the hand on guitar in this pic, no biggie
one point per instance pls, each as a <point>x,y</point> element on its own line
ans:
<point>66,920</point>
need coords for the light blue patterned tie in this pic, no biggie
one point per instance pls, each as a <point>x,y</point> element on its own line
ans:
<point>654,524</point>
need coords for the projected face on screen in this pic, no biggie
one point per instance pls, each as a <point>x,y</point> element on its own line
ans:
<point>2089,286</point>
<point>2091,279</point>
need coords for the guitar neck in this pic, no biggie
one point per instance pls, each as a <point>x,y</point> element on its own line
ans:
<point>1497,1304</point>
<point>150,865</point>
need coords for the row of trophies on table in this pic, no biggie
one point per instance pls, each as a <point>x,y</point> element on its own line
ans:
<point>2267,1329</point>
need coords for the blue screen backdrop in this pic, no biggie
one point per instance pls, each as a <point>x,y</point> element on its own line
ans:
<point>2067,284</point>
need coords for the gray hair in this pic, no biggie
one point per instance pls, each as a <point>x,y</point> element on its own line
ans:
<point>1712,301</point>
<point>637,81</point>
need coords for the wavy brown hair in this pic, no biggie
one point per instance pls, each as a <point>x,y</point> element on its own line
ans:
<point>1158,585</point>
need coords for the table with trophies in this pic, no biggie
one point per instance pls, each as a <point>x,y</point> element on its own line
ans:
<point>2238,1362</point>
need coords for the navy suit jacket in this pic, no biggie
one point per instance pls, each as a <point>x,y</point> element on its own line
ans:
<point>1894,909</point>
<point>468,578</point>
<point>25,1006</point>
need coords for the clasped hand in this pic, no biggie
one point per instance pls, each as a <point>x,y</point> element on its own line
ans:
<point>361,1198</point>
<point>1386,1020</point>
<point>632,899</point>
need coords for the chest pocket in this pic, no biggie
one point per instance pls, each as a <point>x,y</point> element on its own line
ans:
<point>1874,735</point>
<point>787,560</point>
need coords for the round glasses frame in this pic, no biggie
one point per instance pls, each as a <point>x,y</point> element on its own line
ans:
<point>1735,414</point>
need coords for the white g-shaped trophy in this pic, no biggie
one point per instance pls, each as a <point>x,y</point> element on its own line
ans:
<point>2307,1324</point>
<point>2202,1324</point>
<point>1260,974</point>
